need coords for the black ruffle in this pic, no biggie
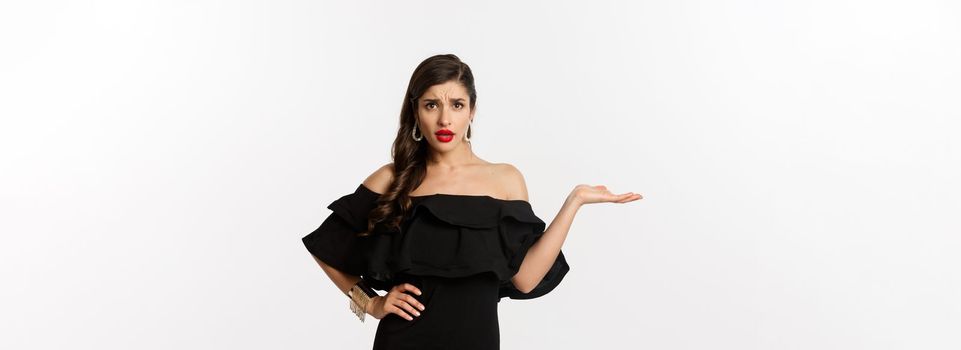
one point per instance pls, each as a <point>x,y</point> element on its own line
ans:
<point>335,242</point>
<point>444,235</point>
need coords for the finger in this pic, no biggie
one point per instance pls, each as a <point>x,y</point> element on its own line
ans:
<point>410,287</point>
<point>396,310</point>
<point>630,198</point>
<point>413,301</point>
<point>407,307</point>
<point>617,197</point>
<point>621,198</point>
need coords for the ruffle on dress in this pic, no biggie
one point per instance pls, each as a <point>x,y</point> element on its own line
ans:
<point>444,235</point>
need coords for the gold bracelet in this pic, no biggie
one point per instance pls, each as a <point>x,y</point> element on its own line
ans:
<point>360,296</point>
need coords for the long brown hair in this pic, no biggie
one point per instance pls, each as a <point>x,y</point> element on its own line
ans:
<point>410,157</point>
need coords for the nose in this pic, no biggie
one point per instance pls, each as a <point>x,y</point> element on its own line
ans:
<point>444,119</point>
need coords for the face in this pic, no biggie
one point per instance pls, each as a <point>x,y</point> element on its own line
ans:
<point>442,108</point>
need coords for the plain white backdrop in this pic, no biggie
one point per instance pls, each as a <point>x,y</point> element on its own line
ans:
<point>161,160</point>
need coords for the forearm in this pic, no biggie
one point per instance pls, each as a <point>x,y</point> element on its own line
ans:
<point>343,280</point>
<point>541,256</point>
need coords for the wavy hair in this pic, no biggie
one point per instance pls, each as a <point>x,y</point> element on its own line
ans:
<point>410,157</point>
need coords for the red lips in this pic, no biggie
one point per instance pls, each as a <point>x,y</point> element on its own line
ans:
<point>444,135</point>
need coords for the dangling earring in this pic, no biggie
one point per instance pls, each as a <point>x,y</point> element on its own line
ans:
<point>468,131</point>
<point>413,133</point>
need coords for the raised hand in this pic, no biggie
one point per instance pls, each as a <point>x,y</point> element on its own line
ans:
<point>585,194</point>
<point>397,301</point>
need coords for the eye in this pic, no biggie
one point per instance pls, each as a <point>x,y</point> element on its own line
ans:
<point>459,104</point>
<point>429,104</point>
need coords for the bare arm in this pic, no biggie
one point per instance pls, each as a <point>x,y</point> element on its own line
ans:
<point>343,280</point>
<point>542,254</point>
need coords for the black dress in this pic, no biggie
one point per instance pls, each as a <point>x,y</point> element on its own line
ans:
<point>459,250</point>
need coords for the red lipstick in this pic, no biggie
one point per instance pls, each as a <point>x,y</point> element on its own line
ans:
<point>444,135</point>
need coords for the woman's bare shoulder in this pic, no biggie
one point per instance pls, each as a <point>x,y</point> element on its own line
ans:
<point>512,180</point>
<point>379,181</point>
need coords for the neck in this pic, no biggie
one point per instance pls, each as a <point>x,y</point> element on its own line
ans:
<point>456,158</point>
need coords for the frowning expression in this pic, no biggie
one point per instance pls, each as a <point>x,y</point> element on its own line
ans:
<point>444,113</point>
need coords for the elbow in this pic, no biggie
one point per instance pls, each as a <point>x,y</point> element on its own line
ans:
<point>523,286</point>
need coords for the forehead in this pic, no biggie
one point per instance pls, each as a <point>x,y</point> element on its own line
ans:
<point>449,90</point>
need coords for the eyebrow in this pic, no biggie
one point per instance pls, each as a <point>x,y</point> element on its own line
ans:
<point>437,99</point>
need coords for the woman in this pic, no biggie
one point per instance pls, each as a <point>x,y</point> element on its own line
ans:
<point>445,233</point>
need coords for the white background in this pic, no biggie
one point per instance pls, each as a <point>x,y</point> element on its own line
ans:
<point>161,161</point>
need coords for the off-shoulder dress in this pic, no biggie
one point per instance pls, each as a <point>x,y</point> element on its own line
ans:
<point>459,250</point>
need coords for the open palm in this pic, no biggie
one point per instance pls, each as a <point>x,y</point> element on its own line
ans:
<point>599,194</point>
